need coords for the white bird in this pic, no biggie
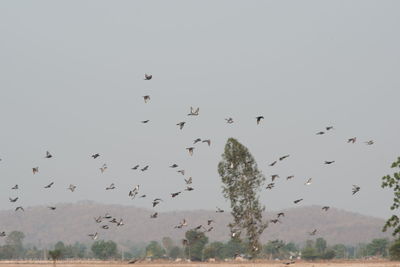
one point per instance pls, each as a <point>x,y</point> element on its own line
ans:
<point>308,182</point>
<point>93,236</point>
<point>194,112</point>
<point>71,187</point>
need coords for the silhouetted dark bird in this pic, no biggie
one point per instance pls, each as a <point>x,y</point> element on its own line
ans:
<point>15,187</point>
<point>148,77</point>
<point>329,162</point>
<point>105,227</point>
<point>208,141</point>
<point>356,188</point>
<point>35,170</point>
<point>181,172</point>
<point>154,215</point>
<point>110,187</point>
<point>325,208</point>
<point>181,124</point>
<point>328,128</point>
<point>94,156</point>
<point>49,185</point>
<point>280,214</point>
<point>259,118</point>
<point>196,140</point>
<point>229,120</point>
<point>297,201</point>
<point>173,165</point>
<point>13,199</point>
<point>320,133</point>
<point>274,176</point>
<point>369,143</point>
<point>219,210</point>
<point>52,208</point>
<point>156,202</point>
<point>313,232</point>
<point>283,157</point>
<point>209,222</point>
<point>190,149</point>
<point>145,168</point>
<point>270,186</point>
<point>145,121</point>
<point>135,168</point>
<point>273,163</point>
<point>19,208</point>
<point>290,177</point>
<point>175,194</point>
<point>188,188</point>
<point>352,140</point>
<point>48,155</point>
<point>274,221</point>
<point>189,180</point>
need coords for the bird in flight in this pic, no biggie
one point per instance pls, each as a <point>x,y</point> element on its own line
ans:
<point>148,77</point>
<point>156,201</point>
<point>325,208</point>
<point>270,186</point>
<point>49,185</point>
<point>327,162</point>
<point>313,232</point>
<point>135,168</point>
<point>274,176</point>
<point>196,140</point>
<point>188,180</point>
<point>48,155</point>
<point>308,181</point>
<point>13,199</point>
<point>173,165</point>
<point>190,149</point>
<point>110,187</point>
<point>145,121</point>
<point>175,194</point>
<point>145,168</point>
<point>219,210</point>
<point>328,128</point>
<point>208,141</point>
<point>194,112</point>
<point>93,236</point>
<point>181,124</point>
<point>188,188</point>
<point>320,133</point>
<point>52,208</point>
<point>19,208</point>
<point>71,187</point>
<point>154,215</point>
<point>369,143</point>
<point>273,163</point>
<point>274,221</point>
<point>94,156</point>
<point>352,140</point>
<point>2,234</point>
<point>15,187</point>
<point>181,172</point>
<point>98,219</point>
<point>229,120</point>
<point>283,157</point>
<point>105,227</point>
<point>35,170</point>
<point>280,214</point>
<point>146,98</point>
<point>290,177</point>
<point>103,168</point>
<point>259,118</point>
<point>356,188</point>
<point>297,201</point>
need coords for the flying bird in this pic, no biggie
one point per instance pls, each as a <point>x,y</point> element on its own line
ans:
<point>219,210</point>
<point>2,234</point>
<point>259,118</point>
<point>175,194</point>
<point>270,186</point>
<point>71,187</point>
<point>154,215</point>
<point>190,149</point>
<point>274,176</point>
<point>135,168</point>
<point>196,140</point>
<point>19,208</point>
<point>280,214</point>
<point>273,163</point>
<point>110,187</point>
<point>320,133</point>
<point>181,172</point>
<point>105,227</point>
<point>210,221</point>
<point>369,143</point>
<point>229,120</point>
<point>327,162</point>
<point>352,140</point>
<point>181,124</point>
<point>48,155</point>
<point>156,202</point>
<point>35,170</point>
<point>356,188</point>
<point>194,112</point>
<point>297,201</point>
<point>52,208</point>
<point>103,168</point>
<point>146,98</point>
<point>274,221</point>
<point>208,141</point>
<point>98,219</point>
<point>145,168</point>
<point>49,185</point>
<point>325,208</point>
<point>313,232</point>
<point>13,199</point>
<point>145,121</point>
<point>93,236</point>
<point>188,180</point>
<point>15,187</point>
<point>173,165</point>
<point>148,77</point>
<point>308,181</point>
<point>290,177</point>
<point>283,157</point>
<point>95,156</point>
<point>107,216</point>
<point>188,188</point>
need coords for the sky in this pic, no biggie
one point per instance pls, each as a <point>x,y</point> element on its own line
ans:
<point>72,82</point>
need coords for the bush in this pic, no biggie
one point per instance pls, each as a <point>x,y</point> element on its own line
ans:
<point>394,250</point>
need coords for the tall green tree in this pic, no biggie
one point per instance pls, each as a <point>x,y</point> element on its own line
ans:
<point>196,240</point>
<point>378,247</point>
<point>393,182</point>
<point>154,250</point>
<point>241,183</point>
<point>14,245</point>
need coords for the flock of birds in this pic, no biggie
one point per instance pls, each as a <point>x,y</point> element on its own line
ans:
<point>106,221</point>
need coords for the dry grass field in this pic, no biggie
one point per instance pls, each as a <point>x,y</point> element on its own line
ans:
<point>214,264</point>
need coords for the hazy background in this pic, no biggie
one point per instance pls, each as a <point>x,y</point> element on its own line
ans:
<point>72,83</point>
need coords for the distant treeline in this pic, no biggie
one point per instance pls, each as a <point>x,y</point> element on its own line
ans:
<point>196,247</point>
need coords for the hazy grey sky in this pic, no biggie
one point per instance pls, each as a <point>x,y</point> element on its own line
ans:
<point>72,83</point>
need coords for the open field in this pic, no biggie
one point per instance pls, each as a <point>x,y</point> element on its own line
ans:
<point>214,264</point>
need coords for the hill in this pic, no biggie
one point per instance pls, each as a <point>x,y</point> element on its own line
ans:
<point>73,222</point>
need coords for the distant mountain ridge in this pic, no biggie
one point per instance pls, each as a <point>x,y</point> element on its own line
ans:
<point>73,222</point>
